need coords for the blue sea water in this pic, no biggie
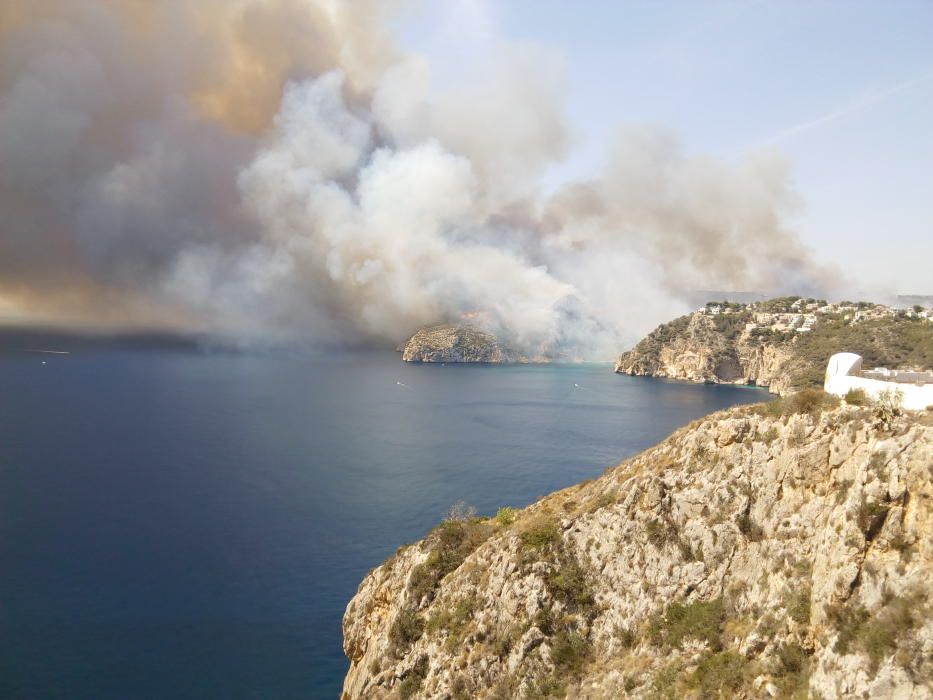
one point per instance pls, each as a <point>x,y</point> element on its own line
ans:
<point>191,525</point>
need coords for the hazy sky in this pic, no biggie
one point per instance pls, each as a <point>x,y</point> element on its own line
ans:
<point>351,170</point>
<point>844,89</point>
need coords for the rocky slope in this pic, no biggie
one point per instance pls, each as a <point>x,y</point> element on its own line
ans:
<point>782,344</point>
<point>456,343</point>
<point>760,552</point>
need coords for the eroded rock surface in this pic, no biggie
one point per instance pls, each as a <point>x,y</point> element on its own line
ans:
<point>750,554</point>
<point>456,343</point>
<point>693,348</point>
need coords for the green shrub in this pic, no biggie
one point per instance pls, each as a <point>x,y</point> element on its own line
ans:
<point>792,658</point>
<point>847,621</point>
<point>453,621</point>
<point>749,527</point>
<point>772,409</point>
<point>770,436</point>
<point>876,635</point>
<point>568,583</point>
<point>461,688</point>
<point>409,687</point>
<point>793,672</point>
<point>889,407</point>
<point>811,401</point>
<point>665,682</point>
<point>731,325</point>
<point>870,517</point>
<point>901,543</point>
<point>545,686</point>
<point>879,635</point>
<point>657,532</point>
<point>506,516</point>
<point>877,461</point>
<point>857,397</point>
<point>701,620</point>
<point>686,551</point>
<point>412,683</point>
<point>798,607</point>
<point>451,543</point>
<point>626,636</point>
<point>539,534</point>
<point>778,305</point>
<point>505,689</point>
<point>569,652</point>
<point>720,675</point>
<point>405,631</point>
<point>505,639</point>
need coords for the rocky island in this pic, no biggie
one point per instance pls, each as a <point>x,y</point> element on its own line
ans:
<point>456,343</point>
<point>779,550</point>
<point>782,344</point>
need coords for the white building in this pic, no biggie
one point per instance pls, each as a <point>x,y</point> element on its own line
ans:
<point>844,372</point>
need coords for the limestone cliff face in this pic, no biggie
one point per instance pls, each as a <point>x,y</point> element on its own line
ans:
<point>456,343</point>
<point>751,554</point>
<point>695,348</point>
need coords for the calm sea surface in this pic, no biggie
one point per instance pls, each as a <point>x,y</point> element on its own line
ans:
<point>184,525</point>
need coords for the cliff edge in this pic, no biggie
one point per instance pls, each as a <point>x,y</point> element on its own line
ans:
<point>772,551</point>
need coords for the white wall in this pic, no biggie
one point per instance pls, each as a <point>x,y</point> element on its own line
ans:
<point>838,382</point>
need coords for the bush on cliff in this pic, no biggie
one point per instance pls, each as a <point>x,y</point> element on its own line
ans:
<point>812,401</point>
<point>506,516</point>
<point>451,542</point>
<point>809,401</point>
<point>405,631</point>
<point>539,533</point>
<point>701,620</point>
<point>856,397</point>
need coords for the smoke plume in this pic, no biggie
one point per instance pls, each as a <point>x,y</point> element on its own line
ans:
<point>283,168</point>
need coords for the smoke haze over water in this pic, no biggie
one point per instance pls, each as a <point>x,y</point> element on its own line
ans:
<point>283,168</point>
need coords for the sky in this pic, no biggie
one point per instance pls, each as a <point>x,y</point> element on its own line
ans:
<point>842,88</point>
<point>347,171</point>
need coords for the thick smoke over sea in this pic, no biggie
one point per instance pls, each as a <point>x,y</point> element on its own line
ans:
<point>281,168</point>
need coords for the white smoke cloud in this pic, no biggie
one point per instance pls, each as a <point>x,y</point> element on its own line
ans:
<point>256,183</point>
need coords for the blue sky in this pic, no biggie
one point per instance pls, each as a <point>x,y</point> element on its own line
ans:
<point>843,89</point>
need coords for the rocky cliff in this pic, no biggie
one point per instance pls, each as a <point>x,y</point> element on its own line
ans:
<point>701,348</point>
<point>759,552</point>
<point>456,343</point>
<point>783,344</point>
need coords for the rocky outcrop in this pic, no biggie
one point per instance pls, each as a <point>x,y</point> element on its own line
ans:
<point>456,343</point>
<point>759,552</point>
<point>704,348</point>
<point>783,344</point>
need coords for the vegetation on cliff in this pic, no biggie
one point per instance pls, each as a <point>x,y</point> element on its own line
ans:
<point>781,343</point>
<point>779,550</point>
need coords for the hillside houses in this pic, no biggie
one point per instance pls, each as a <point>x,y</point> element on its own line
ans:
<point>787,316</point>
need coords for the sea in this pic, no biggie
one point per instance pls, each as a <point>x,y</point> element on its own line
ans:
<point>179,523</point>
